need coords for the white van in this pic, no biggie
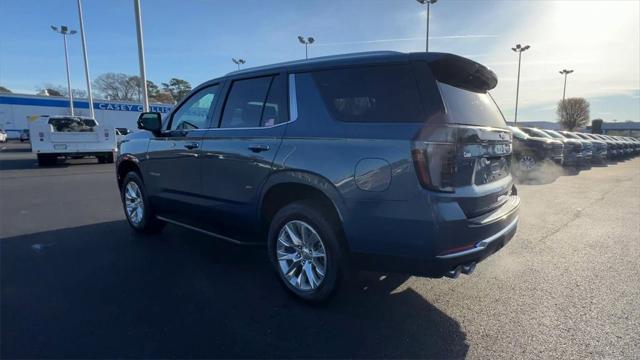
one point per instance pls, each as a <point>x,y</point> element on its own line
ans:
<point>71,137</point>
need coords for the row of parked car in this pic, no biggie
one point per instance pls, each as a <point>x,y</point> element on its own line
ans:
<point>533,147</point>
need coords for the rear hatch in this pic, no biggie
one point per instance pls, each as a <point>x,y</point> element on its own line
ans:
<point>465,153</point>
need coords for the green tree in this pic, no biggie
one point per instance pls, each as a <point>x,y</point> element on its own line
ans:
<point>178,88</point>
<point>573,113</point>
<point>4,90</point>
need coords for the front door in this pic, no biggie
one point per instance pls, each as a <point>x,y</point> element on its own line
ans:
<point>173,164</point>
<point>237,156</point>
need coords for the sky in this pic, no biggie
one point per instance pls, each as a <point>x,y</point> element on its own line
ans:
<point>196,39</point>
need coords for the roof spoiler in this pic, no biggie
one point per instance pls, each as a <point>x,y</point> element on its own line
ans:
<point>462,72</point>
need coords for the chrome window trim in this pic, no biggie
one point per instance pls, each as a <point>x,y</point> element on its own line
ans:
<point>293,98</point>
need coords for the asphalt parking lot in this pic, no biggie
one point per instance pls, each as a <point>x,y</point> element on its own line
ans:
<point>76,282</point>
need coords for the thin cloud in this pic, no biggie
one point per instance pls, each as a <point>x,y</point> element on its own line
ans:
<point>378,41</point>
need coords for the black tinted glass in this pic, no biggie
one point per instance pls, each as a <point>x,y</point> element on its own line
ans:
<point>274,108</point>
<point>245,102</point>
<point>469,107</point>
<point>370,94</point>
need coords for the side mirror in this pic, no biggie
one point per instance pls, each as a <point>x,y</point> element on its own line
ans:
<point>151,121</point>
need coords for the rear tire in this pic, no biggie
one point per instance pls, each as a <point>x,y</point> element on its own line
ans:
<point>46,159</point>
<point>137,208</point>
<point>308,263</point>
<point>528,162</point>
<point>106,158</point>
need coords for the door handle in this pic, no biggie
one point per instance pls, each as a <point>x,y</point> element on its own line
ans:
<point>192,145</point>
<point>259,148</point>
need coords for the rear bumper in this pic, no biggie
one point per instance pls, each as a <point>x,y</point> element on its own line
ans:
<point>449,244</point>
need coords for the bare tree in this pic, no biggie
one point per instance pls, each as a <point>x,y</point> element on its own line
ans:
<point>573,113</point>
<point>117,86</point>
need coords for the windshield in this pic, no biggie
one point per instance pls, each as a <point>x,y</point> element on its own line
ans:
<point>518,133</point>
<point>554,134</point>
<point>72,124</point>
<point>571,136</point>
<point>536,133</point>
<point>470,108</point>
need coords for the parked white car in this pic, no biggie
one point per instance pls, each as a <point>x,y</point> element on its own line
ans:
<point>71,137</point>
<point>3,136</point>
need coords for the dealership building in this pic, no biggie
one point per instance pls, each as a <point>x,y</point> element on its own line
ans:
<point>16,111</point>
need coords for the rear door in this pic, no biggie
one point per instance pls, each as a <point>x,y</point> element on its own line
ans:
<point>238,154</point>
<point>173,166</point>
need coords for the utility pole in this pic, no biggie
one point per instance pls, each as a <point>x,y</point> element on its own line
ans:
<point>519,49</point>
<point>64,31</point>
<point>143,71</point>
<point>86,61</point>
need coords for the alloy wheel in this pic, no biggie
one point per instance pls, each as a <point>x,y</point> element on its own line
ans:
<point>527,162</point>
<point>301,255</point>
<point>134,203</point>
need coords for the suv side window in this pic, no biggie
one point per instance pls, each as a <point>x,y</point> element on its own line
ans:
<point>194,113</point>
<point>274,111</point>
<point>245,103</point>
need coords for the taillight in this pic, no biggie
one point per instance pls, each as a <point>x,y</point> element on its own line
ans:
<point>435,164</point>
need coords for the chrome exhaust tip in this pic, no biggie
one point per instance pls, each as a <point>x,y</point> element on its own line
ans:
<point>454,273</point>
<point>469,268</point>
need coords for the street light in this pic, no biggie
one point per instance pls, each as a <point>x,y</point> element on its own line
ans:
<point>308,41</point>
<point>565,72</point>
<point>239,62</point>
<point>64,31</point>
<point>519,49</point>
<point>143,71</point>
<point>86,61</point>
<point>429,3</point>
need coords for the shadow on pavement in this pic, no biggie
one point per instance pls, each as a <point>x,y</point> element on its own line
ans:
<point>24,164</point>
<point>102,291</point>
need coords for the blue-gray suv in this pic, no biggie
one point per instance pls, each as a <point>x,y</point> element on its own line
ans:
<point>383,161</point>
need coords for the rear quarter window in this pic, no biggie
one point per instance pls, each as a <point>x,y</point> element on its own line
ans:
<point>377,94</point>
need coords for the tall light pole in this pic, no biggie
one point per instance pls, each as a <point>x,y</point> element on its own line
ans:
<point>519,49</point>
<point>308,41</point>
<point>86,61</point>
<point>143,71</point>
<point>429,3</point>
<point>565,72</point>
<point>64,30</point>
<point>238,62</point>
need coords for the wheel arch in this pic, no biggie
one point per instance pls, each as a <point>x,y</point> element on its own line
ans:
<point>125,165</point>
<point>285,187</point>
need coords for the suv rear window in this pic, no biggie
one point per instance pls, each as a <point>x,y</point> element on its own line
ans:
<point>470,108</point>
<point>72,124</point>
<point>386,93</point>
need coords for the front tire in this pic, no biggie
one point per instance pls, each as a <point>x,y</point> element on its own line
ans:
<point>137,209</point>
<point>305,250</point>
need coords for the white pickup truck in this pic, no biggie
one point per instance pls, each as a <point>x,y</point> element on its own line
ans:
<point>71,137</point>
